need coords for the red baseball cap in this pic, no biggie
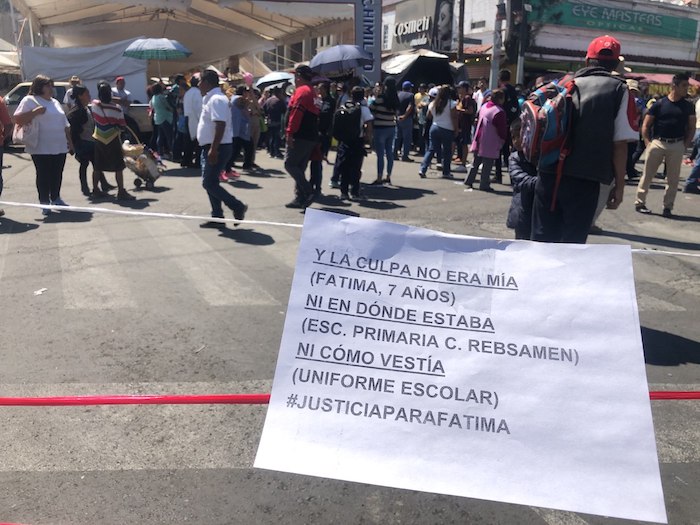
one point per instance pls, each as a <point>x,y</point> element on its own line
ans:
<point>604,48</point>
<point>118,79</point>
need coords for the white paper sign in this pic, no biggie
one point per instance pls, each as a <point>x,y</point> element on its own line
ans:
<point>507,371</point>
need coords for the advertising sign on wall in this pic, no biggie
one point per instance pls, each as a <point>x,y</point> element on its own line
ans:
<point>611,19</point>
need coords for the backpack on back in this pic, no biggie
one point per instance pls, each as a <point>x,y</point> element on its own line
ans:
<point>546,120</point>
<point>346,124</point>
<point>546,125</point>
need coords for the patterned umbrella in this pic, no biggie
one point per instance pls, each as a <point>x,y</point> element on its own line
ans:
<point>156,49</point>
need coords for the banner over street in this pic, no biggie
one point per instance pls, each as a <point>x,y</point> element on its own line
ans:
<point>501,370</point>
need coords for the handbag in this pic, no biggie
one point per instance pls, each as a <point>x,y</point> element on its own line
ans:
<point>27,134</point>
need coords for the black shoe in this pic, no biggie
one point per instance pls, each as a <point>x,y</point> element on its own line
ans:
<point>240,216</point>
<point>641,208</point>
<point>344,197</point>
<point>310,198</point>
<point>106,186</point>
<point>407,159</point>
<point>213,225</point>
<point>85,190</point>
<point>296,204</point>
<point>667,213</point>
<point>421,174</point>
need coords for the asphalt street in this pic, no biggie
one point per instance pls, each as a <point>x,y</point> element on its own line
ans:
<point>105,304</point>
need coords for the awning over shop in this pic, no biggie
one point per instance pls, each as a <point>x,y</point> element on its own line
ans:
<point>211,29</point>
<point>659,78</point>
<point>396,64</point>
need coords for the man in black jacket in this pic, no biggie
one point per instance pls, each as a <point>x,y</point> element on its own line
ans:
<point>604,122</point>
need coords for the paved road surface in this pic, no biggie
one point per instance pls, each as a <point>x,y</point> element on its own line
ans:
<point>142,305</point>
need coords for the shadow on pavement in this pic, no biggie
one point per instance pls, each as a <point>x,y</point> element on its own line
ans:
<point>664,349</point>
<point>380,205</point>
<point>183,172</point>
<point>265,172</point>
<point>10,226</point>
<point>68,216</point>
<point>244,185</point>
<point>246,236</point>
<point>395,193</point>
<point>138,204</point>
<point>332,200</point>
<point>656,241</point>
<point>342,212</point>
<point>155,189</point>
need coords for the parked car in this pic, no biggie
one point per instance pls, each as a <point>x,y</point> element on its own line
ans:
<point>138,119</point>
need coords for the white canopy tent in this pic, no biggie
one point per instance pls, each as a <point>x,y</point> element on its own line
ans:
<point>211,29</point>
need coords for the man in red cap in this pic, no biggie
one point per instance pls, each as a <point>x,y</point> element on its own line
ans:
<point>603,123</point>
<point>121,95</point>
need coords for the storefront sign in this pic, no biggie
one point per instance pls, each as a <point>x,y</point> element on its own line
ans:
<point>368,31</point>
<point>412,27</point>
<point>604,18</point>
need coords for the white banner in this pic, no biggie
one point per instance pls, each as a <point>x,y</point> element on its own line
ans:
<point>503,370</point>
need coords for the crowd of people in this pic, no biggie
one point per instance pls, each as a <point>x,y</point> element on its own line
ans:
<point>204,123</point>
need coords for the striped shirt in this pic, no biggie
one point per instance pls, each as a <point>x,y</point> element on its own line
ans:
<point>383,116</point>
<point>109,120</point>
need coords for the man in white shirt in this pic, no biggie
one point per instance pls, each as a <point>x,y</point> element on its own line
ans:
<point>121,96</point>
<point>192,109</point>
<point>481,87</point>
<point>214,134</point>
<point>68,98</point>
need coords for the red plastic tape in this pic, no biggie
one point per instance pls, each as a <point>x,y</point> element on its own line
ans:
<point>222,399</point>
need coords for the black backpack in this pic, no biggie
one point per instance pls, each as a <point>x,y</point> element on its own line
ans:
<point>346,125</point>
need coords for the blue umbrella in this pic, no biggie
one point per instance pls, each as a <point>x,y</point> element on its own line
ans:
<point>156,49</point>
<point>340,59</point>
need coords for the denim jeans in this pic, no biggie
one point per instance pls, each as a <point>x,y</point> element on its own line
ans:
<point>210,181</point>
<point>404,137</point>
<point>274,140</point>
<point>440,139</point>
<point>384,146</point>
<point>165,138</point>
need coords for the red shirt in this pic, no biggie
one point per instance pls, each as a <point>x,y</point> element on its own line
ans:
<point>303,113</point>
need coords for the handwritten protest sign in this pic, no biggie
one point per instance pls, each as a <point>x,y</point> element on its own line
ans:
<point>501,370</point>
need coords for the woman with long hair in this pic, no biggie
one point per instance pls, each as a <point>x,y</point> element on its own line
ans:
<point>49,155</point>
<point>82,126</point>
<point>109,122</point>
<point>384,108</point>
<point>442,132</point>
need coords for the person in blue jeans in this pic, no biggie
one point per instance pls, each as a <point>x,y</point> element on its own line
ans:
<point>404,122</point>
<point>384,108</point>
<point>442,132</point>
<point>214,134</point>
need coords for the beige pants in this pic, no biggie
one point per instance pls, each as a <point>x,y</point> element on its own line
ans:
<point>658,152</point>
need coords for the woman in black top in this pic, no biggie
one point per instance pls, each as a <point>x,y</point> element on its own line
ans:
<point>81,128</point>
<point>384,109</point>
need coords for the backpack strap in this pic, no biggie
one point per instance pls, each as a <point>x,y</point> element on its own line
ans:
<point>565,149</point>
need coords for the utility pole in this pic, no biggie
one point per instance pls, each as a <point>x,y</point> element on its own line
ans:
<point>497,42</point>
<point>460,35</point>
<point>520,71</point>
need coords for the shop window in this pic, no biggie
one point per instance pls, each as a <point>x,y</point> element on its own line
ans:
<point>479,24</point>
